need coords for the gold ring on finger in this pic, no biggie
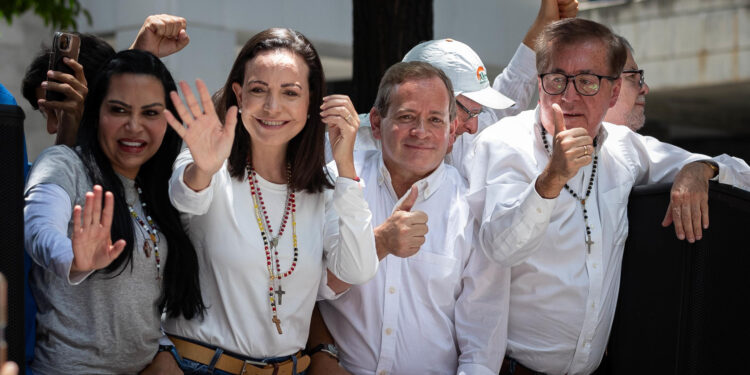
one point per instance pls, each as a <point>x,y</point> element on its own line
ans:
<point>349,118</point>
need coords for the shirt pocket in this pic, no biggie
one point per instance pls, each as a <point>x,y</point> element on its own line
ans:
<point>434,278</point>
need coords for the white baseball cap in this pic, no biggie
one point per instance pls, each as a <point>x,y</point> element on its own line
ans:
<point>464,68</point>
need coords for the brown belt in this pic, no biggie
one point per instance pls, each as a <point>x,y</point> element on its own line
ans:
<point>234,365</point>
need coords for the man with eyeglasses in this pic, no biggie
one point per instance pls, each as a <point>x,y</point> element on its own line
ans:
<point>550,189</point>
<point>631,104</point>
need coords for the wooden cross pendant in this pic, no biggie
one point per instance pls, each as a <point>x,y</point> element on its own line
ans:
<point>278,323</point>
<point>147,248</point>
<point>279,293</point>
<point>589,243</point>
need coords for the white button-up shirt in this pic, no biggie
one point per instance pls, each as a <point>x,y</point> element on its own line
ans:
<point>440,311</point>
<point>563,298</point>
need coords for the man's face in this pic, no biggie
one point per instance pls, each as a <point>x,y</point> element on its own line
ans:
<point>631,104</point>
<point>468,122</point>
<point>415,133</point>
<point>580,111</point>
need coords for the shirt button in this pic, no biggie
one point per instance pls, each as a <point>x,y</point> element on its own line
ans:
<point>392,290</point>
<point>382,372</point>
<point>388,331</point>
<point>593,305</point>
<point>538,210</point>
<point>594,265</point>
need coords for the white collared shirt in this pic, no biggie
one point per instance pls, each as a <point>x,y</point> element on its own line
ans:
<point>563,298</point>
<point>440,311</point>
<point>333,231</point>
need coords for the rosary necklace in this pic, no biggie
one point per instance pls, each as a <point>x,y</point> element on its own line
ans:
<point>151,230</point>
<point>583,199</point>
<point>270,242</point>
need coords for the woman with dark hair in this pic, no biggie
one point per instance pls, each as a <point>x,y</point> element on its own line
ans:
<point>100,302</point>
<point>258,202</point>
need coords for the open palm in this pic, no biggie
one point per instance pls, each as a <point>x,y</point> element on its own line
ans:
<point>209,141</point>
<point>92,244</point>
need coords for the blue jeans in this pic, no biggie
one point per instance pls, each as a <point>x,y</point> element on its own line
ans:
<point>191,367</point>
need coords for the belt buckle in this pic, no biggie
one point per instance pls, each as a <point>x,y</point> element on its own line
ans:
<point>252,363</point>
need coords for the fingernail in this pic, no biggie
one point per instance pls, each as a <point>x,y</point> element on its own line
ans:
<point>65,59</point>
<point>681,236</point>
<point>44,84</point>
<point>50,73</point>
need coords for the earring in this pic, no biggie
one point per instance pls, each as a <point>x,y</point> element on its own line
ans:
<point>239,110</point>
<point>308,116</point>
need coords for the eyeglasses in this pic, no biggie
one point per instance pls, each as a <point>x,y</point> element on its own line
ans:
<point>468,112</point>
<point>586,84</point>
<point>641,80</point>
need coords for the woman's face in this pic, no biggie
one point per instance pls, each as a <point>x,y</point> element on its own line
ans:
<point>274,97</point>
<point>131,121</point>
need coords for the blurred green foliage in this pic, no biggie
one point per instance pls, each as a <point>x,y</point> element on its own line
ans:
<point>61,14</point>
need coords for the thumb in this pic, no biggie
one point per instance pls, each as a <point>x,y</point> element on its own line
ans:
<point>558,118</point>
<point>408,203</point>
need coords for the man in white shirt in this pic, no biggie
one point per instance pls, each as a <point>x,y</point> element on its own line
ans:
<point>551,187</point>
<point>436,305</point>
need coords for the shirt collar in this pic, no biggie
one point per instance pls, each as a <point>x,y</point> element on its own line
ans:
<point>427,186</point>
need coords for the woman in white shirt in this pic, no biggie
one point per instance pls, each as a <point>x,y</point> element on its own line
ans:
<point>265,216</point>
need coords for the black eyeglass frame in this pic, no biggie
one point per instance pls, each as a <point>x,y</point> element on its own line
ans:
<point>641,80</point>
<point>569,77</point>
<point>468,112</point>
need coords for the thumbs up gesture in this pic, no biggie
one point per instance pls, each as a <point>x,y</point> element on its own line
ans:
<point>402,234</point>
<point>571,150</point>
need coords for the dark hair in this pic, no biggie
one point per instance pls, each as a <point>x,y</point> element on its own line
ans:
<point>305,151</point>
<point>181,289</point>
<point>94,52</point>
<point>413,70</point>
<point>572,31</point>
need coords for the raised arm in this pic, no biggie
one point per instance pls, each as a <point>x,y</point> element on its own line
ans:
<point>162,35</point>
<point>209,141</point>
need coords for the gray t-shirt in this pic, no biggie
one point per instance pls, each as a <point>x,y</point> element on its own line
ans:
<point>106,324</point>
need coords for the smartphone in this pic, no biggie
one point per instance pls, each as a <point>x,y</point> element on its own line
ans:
<point>63,45</point>
<point>3,319</point>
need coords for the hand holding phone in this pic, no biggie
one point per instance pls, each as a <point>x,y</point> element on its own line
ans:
<point>63,45</point>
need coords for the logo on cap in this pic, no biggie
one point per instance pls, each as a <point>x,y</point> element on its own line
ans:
<point>482,75</point>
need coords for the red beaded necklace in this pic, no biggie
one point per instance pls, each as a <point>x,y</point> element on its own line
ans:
<point>270,242</point>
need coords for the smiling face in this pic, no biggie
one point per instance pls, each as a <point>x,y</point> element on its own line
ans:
<point>274,97</point>
<point>131,121</point>
<point>631,104</point>
<point>415,133</point>
<point>580,111</point>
